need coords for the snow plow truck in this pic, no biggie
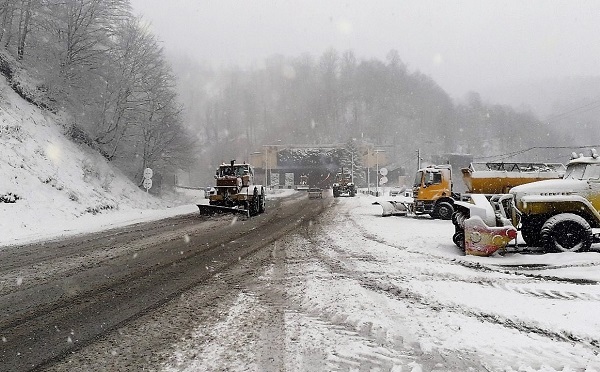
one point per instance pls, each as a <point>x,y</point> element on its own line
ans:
<point>433,191</point>
<point>558,215</point>
<point>235,192</point>
<point>343,185</point>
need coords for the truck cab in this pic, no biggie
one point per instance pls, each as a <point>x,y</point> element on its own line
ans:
<point>228,172</point>
<point>432,191</point>
<point>560,214</point>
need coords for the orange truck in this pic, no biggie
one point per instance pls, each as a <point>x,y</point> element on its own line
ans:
<point>433,192</point>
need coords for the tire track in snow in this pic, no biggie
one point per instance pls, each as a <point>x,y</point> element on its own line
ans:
<point>500,269</point>
<point>406,294</point>
<point>544,293</point>
<point>377,352</point>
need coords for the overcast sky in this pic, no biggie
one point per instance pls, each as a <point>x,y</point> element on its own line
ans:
<point>463,45</point>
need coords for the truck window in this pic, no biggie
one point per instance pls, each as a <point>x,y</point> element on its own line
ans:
<point>433,178</point>
<point>575,171</point>
<point>592,172</point>
<point>418,178</point>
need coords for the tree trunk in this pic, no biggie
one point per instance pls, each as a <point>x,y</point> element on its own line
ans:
<point>23,27</point>
<point>7,22</point>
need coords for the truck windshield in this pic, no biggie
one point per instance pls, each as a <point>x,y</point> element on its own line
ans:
<point>225,171</point>
<point>240,171</point>
<point>418,179</point>
<point>582,171</point>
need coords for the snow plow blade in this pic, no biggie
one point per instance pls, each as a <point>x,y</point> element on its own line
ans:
<point>484,240</point>
<point>392,208</point>
<point>209,210</point>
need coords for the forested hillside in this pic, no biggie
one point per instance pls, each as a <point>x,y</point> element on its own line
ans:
<point>564,103</point>
<point>99,66</point>
<point>337,97</point>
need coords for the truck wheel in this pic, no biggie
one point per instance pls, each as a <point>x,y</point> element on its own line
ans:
<point>254,203</point>
<point>261,204</point>
<point>459,239</point>
<point>566,232</point>
<point>531,230</point>
<point>443,211</point>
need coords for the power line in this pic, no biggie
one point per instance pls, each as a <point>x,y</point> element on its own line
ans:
<point>511,154</point>
<point>595,104</point>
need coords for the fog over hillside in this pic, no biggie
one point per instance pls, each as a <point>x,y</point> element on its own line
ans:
<point>463,45</point>
<point>569,104</point>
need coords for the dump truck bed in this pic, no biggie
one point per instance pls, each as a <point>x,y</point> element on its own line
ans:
<point>499,178</point>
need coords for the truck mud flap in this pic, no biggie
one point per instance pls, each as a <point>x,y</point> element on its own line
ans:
<point>208,210</point>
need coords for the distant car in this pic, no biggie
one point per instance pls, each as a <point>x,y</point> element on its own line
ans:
<point>314,193</point>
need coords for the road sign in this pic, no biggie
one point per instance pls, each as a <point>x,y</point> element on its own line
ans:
<point>383,171</point>
<point>148,173</point>
<point>147,183</point>
<point>383,180</point>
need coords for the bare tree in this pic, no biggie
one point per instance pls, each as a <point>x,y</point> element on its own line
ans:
<point>7,12</point>
<point>132,58</point>
<point>23,27</point>
<point>139,121</point>
<point>83,29</point>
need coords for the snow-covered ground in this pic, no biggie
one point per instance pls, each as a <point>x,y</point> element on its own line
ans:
<point>368,293</point>
<point>359,292</point>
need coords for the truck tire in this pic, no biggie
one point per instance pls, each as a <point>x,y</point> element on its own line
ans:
<point>531,230</point>
<point>254,203</point>
<point>443,211</point>
<point>459,239</point>
<point>566,232</point>
<point>261,204</point>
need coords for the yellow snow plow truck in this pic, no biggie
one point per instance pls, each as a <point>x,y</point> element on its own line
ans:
<point>235,192</point>
<point>558,215</point>
<point>433,187</point>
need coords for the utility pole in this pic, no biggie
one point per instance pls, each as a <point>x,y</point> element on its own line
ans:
<point>377,173</point>
<point>368,171</point>
<point>266,166</point>
<point>352,167</point>
<point>418,159</point>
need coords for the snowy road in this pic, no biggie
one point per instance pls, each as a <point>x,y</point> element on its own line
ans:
<point>59,296</point>
<point>352,291</point>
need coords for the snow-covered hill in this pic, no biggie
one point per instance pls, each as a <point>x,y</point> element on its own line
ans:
<point>49,184</point>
